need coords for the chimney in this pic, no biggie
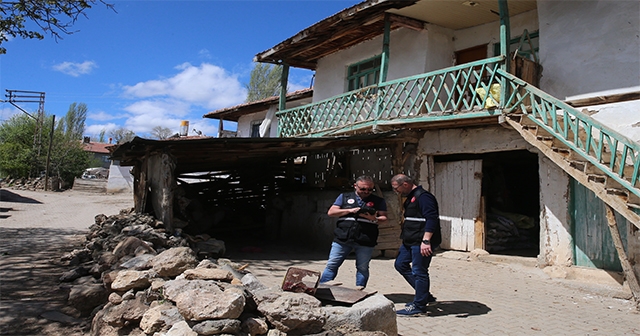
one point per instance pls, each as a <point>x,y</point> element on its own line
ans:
<point>86,139</point>
<point>110,139</point>
<point>184,127</point>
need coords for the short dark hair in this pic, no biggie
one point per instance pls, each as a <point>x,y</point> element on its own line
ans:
<point>402,178</point>
<point>365,178</point>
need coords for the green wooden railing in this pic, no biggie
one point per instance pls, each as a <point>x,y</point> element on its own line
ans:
<point>457,92</point>
<point>468,91</point>
<point>611,152</point>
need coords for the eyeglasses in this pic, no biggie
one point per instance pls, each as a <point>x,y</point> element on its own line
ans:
<point>365,189</point>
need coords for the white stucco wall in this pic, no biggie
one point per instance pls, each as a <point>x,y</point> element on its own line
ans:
<point>589,46</point>
<point>555,236</point>
<point>244,124</point>
<point>120,180</point>
<point>490,33</point>
<point>412,52</point>
<point>407,57</point>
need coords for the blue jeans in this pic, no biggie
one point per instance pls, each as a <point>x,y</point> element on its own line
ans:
<point>414,267</point>
<point>338,254</point>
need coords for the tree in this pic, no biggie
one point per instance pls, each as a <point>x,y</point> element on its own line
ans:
<point>72,125</point>
<point>122,135</point>
<point>160,132</point>
<point>19,159</point>
<point>16,146</point>
<point>264,82</point>
<point>52,17</point>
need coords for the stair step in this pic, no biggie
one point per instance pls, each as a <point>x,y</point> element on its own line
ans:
<point>579,165</point>
<point>597,178</point>
<point>618,192</point>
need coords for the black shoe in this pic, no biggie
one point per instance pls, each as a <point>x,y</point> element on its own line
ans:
<point>431,300</point>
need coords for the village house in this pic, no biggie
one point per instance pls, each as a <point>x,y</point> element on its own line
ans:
<point>520,116</point>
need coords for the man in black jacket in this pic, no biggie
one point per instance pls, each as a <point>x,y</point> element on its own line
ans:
<point>420,237</point>
<point>359,214</point>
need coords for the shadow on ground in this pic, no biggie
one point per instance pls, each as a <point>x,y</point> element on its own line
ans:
<point>8,196</point>
<point>444,308</point>
<point>30,269</point>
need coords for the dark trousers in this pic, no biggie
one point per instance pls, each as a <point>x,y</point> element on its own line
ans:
<point>414,267</point>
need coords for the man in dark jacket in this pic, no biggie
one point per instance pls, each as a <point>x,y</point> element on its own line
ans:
<point>359,213</point>
<point>420,237</point>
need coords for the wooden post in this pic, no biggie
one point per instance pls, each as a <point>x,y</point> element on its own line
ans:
<point>505,39</point>
<point>160,168</point>
<point>46,174</point>
<point>629,274</point>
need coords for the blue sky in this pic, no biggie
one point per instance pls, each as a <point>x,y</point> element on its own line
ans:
<point>155,63</point>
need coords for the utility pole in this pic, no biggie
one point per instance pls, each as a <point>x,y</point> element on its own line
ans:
<point>21,96</point>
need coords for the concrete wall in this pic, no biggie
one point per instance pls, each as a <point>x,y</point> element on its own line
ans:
<point>407,57</point>
<point>555,224</point>
<point>589,46</point>
<point>120,180</point>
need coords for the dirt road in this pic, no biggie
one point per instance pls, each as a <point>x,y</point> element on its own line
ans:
<point>36,229</point>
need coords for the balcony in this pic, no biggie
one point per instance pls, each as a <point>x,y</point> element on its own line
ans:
<point>466,91</point>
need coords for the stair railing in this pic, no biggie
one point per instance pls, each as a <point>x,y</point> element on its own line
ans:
<point>611,152</point>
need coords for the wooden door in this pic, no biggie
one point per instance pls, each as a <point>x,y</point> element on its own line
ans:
<point>465,56</point>
<point>458,189</point>
<point>593,244</point>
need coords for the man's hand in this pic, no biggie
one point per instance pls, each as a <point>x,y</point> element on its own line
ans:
<point>425,249</point>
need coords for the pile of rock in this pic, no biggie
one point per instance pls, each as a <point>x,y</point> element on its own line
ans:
<point>33,184</point>
<point>135,279</point>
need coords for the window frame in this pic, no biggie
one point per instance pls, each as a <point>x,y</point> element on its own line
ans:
<point>355,74</point>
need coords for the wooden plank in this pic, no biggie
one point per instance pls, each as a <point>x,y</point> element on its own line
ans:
<point>608,99</point>
<point>479,241</point>
<point>627,268</point>
<point>458,191</point>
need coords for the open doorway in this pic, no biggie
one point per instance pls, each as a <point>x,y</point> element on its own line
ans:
<point>511,191</point>
<point>489,201</point>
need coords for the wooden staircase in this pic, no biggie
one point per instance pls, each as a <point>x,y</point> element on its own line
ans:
<point>617,197</point>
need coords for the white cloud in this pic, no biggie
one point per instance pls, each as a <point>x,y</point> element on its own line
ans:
<point>204,53</point>
<point>104,116</point>
<point>94,130</point>
<point>75,69</point>
<point>208,86</point>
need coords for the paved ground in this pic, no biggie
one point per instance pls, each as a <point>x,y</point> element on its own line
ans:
<point>476,298</point>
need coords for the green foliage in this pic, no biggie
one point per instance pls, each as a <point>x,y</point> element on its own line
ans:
<point>72,125</point>
<point>264,82</point>
<point>16,146</point>
<point>19,158</point>
<point>52,17</point>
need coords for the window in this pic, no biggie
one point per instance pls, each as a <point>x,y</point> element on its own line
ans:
<point>255,129</point>
<point>364,73</point>
<point>514,43</point>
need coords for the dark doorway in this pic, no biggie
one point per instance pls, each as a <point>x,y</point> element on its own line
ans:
<point>510,187</point>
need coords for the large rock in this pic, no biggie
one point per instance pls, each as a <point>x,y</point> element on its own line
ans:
<point>86,297</point>
<point>208,274</point>
<point>199,300</point>
<point>173,261</point>
<point>181,329</point>
<point>127,313</point>
<point>216,327</point>
<point>294,313</point>
<point>129,246</point>
<point>375,313</point>
<point>130,279</point>
<point>160,317</point>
